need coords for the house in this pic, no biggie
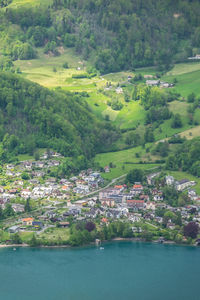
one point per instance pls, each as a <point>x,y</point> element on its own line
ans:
<point>63,224</point>
<point>152,82</point>
<point>139,204</point>
<point>12,191</point>
<point>166,84</point>
<point>169,180</point>
<point>27,221</point>
<point>14,229</point>
<point>119,90</point>
<point>27,165</point>
<point>81,203</point>
<point>51,180</point>
<point>119,187</point>
<point>196,57</point>
<point>19,182</point>
<point>151,178</point>
<point>183,184</point>
<point>159,220</point>
<point>107,202</point>
<point>25,193</point>
<point>148,76</point>
<point>107,192</point>
<point>39,164</point>
<point>38,173</point>
<point>150,205</point>
<point>158,197</point>
<point>137,189</point>
<point>106,169</point>
<point>37,224</point>
<point>18,207</point>
<point>144,197</point>
<point>134,218</point>
<point>136,229</point>
<point>104,220</point>
<point>171,225</point>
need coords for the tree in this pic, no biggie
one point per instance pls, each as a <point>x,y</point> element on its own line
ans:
<point>135,175</point>
<point>27,205</point>
<point>25,176</point>
<point>36,155</point>
<point>170,195</point>
<point>191,98</point>
<point>34,242</point>
<point>149,136</point>
<point>90,226</point>
<point>65,65</point>
<point>191,230</point>
<point>176,121</point>
<point>8,211</point>
<point>16,239</point>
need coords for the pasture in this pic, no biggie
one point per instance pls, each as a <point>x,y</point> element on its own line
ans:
<point>125,160</point>
<point>24,3</point>
<point>188,77</point>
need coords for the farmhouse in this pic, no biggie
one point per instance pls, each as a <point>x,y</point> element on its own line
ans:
<point>152,82</point>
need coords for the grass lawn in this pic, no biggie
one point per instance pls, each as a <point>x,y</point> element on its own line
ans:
<point>19,3</point>
<point>188,76</point>
<point>117,77</point>
<point>131,115</point>
<point>191,133</point>
<point>124,161</point>
<point>26,236</point>
<point>56,234</point>
<point>183,68</point>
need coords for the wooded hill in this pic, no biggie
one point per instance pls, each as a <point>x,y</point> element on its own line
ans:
<point>113,34</point>
<point>34,117</point>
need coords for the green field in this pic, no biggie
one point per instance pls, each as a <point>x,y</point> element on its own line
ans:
<point>188,76</point>
<point>124,161</point>
<point>49,72</point>
<point>191,133</point>
<point>19,3</point>
<point>55,234</point>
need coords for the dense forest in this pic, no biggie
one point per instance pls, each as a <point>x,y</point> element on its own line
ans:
<point>33,117</point>
<point>113,34</point>
<point>186,158</point>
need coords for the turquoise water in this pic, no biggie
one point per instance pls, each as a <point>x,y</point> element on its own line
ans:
<point>123,270</point>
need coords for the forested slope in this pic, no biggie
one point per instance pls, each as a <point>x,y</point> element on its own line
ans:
<point>113,34</point>
<point>33,117</point>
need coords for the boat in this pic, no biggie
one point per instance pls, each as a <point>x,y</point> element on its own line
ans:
<point>101,248</point>
<point>14,249</point>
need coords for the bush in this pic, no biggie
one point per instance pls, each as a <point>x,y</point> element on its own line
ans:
<point>65,65</point>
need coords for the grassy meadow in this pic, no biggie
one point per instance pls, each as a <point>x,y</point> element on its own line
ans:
<point>125,160</point>
<point>188,77</point>
<point>48,71</point>
<point>20,3</point>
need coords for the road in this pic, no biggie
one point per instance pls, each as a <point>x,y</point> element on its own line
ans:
<point>105,187</point>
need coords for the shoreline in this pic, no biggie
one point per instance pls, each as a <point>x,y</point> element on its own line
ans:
<point>118,239</point>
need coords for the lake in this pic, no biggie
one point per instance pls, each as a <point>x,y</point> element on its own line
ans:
<point>123,270</point>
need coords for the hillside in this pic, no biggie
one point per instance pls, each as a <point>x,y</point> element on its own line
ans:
<point>66,46</point>
<point>33,117</point>
<point>113,35</point>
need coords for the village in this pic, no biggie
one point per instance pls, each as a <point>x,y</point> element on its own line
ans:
<point>35,201</point>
